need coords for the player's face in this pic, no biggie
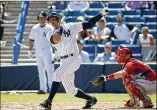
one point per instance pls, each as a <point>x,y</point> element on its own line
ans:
<point>144,32</point>
<point>107,50</point>
<point>119,19</point>
<point>101,25</point>
<point>42,20</point>
<point>54,22</point>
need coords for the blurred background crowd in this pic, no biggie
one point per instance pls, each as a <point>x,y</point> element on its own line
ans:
<point>128,24</point>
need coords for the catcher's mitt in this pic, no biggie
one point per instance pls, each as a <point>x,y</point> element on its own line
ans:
<point>99,80</point>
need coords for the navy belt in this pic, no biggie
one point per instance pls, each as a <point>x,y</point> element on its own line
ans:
<point>66,56</point>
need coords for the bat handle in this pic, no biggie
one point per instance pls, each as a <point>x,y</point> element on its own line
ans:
<point>106,10</point>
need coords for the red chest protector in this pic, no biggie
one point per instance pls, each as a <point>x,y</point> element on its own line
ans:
<point>136,67</point>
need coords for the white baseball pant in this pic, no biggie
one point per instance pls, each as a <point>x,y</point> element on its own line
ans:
<point>149,86</point>
<point>44,62</point>
<point>65,73</point>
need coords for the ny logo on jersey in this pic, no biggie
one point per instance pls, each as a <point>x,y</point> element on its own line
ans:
<point>67,33</point>
<point>44,34</point>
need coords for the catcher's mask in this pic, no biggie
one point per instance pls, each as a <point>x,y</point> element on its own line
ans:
<point>122,53</point>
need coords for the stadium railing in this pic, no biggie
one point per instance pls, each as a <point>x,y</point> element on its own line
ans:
<point>20,30</point>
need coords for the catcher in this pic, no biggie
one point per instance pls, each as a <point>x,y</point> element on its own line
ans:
<point>138,78</point>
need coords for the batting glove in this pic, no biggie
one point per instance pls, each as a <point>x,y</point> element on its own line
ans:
<point>30,55</point>
<point>99,80</point>
<point>105,11</point>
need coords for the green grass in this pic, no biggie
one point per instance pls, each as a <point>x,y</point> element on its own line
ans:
<point>65,98</point>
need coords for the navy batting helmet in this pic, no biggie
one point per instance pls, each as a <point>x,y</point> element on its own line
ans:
<point>54,14</point>
<point>41,14</point>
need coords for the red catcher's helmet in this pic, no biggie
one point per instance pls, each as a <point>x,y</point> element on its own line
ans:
<point>122,53</point>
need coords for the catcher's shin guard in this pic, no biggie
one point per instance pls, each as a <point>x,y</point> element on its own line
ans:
<point>133,102</point>
<point>138,91</point>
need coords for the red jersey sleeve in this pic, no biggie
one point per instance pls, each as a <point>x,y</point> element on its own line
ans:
<point>129,68</point>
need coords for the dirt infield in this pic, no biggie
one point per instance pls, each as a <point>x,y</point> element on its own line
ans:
<point>61,105</point>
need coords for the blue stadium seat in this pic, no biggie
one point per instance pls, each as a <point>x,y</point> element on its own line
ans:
<point>116,5</point>
<point>138,56</point>
<point>95,5</point>
<point>99,42</point>
<point>135,38</point>
<point>89,48</point>
<point>137,25</point>
<point>111,19</point>
<point>118,42</point>
<point>92,57</point>
<point>91,51</point>
<point>91,41</point>
<point>134,20</point>
<point>148,12</point>
<point>71,19</point>
<point>113,12</point>
<point>100,48</point>
<point>151,20</point>
<point>75,13</point>
<point>154,34</point>
<point>110,26</point>
<point>132,13</point>
<point>150,26</point>
<point>136,49</point>
<point>92,12</point>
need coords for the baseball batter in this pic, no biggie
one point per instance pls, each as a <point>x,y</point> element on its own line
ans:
<point>138,78</point>
<point>64,39</point>
<point>43,51</point>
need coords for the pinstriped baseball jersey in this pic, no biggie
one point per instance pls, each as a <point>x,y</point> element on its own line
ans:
<point>68,44</point>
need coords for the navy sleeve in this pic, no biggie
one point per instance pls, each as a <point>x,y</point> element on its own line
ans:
<point>130,27</point>
<point>91,22</point>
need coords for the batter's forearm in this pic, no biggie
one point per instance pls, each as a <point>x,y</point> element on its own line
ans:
<point>91,22</point>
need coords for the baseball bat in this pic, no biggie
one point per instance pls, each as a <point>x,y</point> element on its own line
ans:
<point>105,7</point>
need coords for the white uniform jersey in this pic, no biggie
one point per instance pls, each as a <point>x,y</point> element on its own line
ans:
<point>38,34</point>
<point>145,42</point>
<point>68,44</point>
<point>43,53</point>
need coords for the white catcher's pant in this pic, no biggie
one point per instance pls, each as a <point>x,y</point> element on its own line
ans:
<point>44,63</point>
<point>65,73</point>
<point>149,86</point>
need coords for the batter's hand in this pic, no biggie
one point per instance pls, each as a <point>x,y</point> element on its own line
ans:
<point>30,55</point>
<point>99,80</point>
<point>105,11</point>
